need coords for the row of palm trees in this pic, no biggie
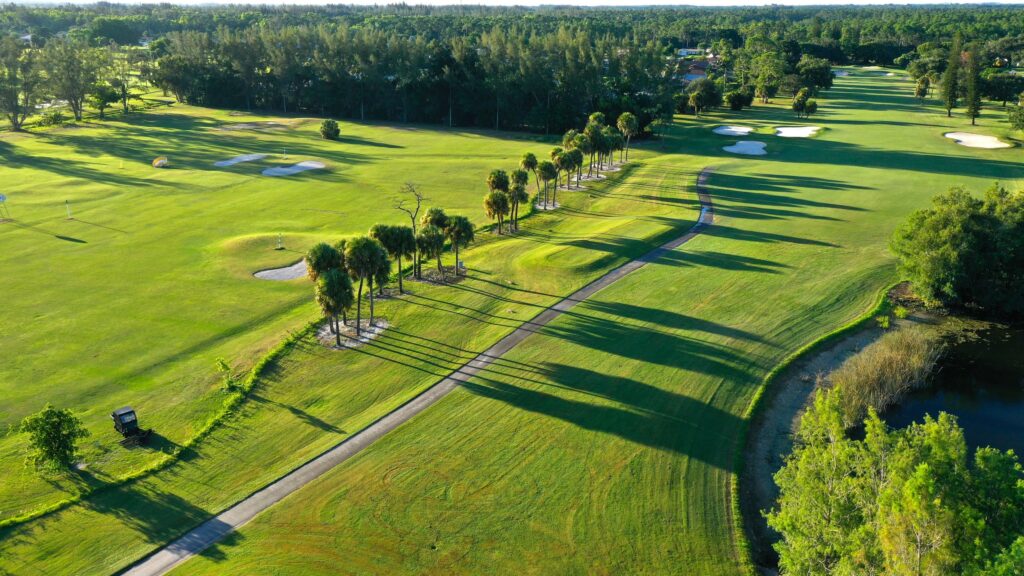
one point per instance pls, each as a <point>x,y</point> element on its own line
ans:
<point>340,271</point>
<point>595,145</point>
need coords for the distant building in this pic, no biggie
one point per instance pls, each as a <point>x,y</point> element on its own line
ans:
<point>684,52</point>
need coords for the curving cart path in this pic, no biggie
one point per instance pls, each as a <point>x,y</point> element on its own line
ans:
<point>213,530</point>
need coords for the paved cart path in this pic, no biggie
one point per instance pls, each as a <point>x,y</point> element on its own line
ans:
<point>213,530</point>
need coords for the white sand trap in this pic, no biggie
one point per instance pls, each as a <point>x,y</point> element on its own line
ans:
<point>297,270</point>
<point>733,130</point>
<point>890,73</point>
<point>294,168</point>
<point>841,73</point>
<point>239,160</point>
<point>976,140</point>
<point>748,147</point>
<point>796,131</point>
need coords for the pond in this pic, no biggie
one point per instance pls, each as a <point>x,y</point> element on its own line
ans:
<point>981,381</point>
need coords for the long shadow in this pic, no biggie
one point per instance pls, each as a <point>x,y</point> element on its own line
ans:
<point>649,345</point>
<point>633,410</point>
<point>301,414</point>
<point>668,319</point>
<point>733,233</point>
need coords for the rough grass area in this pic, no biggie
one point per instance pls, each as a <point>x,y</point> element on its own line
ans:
<point>883,372</point>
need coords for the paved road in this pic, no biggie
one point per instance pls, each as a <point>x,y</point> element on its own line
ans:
<point>208,533</point>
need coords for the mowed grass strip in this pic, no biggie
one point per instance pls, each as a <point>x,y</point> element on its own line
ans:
<point>132,301</point>
<point>314,397</point>
<point>607,444</point>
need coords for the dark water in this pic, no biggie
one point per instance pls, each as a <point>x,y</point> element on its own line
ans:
<point>981,381</point>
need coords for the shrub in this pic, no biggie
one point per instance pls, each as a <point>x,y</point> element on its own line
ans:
<point>884,371</point>
<point>901,312</point>
<point>52,118</point>
<point>329,130</point>
<point>735,100</point>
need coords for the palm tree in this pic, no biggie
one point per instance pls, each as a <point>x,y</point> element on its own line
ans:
<point>547,174</point>
<point>585,147</point>
<point>363,257</point>
<point>496,203</point>
<point>321,258</point>
<point>435,217</point>
<point>569,139</point>
<point>460,234</point>
<point>519,196</point>
<point>593,132</point>
<point>596,118</point>
<point>628,125</point>
<point>529,163</point>
<point>334,295</point>
<point>403,243</point>
<point>577,162</point>
<point>607,143</point>
<point>555,153</point>
<point>516,192</point>
<point>497,180</point>
<point>430,242</point>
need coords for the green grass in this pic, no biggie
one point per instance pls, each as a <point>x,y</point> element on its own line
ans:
<point>606,443</point>
<point>313,398</point>
<point>133,300</point>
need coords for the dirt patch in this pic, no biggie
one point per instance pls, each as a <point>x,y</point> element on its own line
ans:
<point>348,333</point>
<point>431,275</point>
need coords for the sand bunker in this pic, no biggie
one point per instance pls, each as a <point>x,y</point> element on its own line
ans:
<point>733,130</point>
<point>748,147</point>
<point>796,131</point>
<point>976,140</point>
<point>841,73</point>
<point>294,168</point>
<point>297,270</point>
<point>239,160</point>
<point>890,73</point>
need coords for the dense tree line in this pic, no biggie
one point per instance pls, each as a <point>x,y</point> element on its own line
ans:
<point>505,78</point>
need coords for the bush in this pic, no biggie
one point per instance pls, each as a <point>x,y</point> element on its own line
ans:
<point>883,372</point>
<point>329,130</point>
<point>52,118</point>
<point>735,100</point>
<point>901,312</point>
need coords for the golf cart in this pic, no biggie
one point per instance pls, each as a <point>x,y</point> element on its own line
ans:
<point>127,424</point>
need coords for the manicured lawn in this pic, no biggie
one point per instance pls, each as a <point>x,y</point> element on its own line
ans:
<point>133,300</point>
<point>605,444</point>
<point>313,398</point>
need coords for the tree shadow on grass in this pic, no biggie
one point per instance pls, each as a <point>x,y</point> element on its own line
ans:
<point>666,319</point>
<point>630,409</point>
<point>650,345</point>
<point>300,415</point>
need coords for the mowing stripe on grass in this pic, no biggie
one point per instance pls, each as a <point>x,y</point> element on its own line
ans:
<point>213,530</point>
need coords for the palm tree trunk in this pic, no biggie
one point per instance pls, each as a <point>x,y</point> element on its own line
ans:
<point>536,178</point>
<point>400,290</point>
<point>344,317</point>
<point>337,333</point>
<point>456,258</point>
<point>359,310</point>
<point>371,300</point>
<point>627,148</point>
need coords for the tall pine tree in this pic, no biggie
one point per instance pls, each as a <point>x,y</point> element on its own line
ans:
<point>972,80</point>
<point>951,77</point>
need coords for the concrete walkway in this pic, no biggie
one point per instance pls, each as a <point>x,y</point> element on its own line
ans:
<point>213,530</point>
